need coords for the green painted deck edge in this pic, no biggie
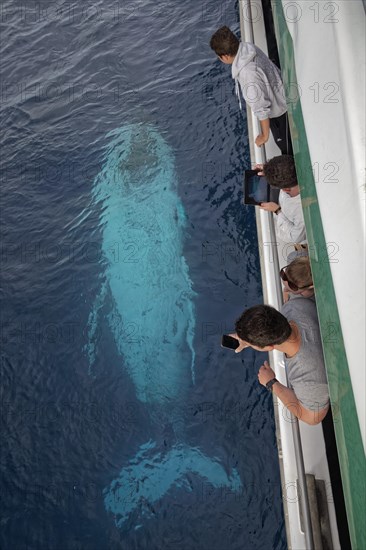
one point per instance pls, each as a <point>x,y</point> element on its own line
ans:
<point>348,434</point>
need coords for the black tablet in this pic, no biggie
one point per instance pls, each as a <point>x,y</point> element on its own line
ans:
<point>256,188</point>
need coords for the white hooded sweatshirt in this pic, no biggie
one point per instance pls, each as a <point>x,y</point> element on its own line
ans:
<point>260,82</point>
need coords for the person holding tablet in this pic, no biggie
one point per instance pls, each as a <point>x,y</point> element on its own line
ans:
<point>280,172</point>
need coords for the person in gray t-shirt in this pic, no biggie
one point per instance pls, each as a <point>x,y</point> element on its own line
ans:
<point>295,332</point>
<point>306,370</point>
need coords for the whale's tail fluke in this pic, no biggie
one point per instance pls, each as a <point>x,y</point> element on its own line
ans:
<point>151,474</point>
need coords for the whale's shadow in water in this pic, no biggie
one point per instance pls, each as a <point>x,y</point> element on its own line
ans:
<point>152,319</point>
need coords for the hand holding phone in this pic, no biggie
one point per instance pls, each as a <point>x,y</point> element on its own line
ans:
<point>232,341</point>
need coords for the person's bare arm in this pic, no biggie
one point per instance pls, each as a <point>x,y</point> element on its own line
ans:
<point>289,399</point>
<point>264,136</point>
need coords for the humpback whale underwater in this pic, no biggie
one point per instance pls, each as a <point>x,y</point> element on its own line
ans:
<point>151,292</point>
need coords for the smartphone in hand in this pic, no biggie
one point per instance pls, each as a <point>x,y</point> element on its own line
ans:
<point>229,342</point>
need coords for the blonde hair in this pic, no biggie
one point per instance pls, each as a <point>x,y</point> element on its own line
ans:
<point>299,272</point>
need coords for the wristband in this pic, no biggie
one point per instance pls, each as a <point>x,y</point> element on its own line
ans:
<point>278,210</point>
<point>270,384</point>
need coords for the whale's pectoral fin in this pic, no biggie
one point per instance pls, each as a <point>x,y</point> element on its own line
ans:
<point>181,215</point>
<point>190,339</point>
<point>150,475</point>
<point>94,325</point>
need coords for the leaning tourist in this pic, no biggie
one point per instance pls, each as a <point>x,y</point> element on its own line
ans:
<point>261,85</point>
<point>295,332</point>
<point>297,279</point>
<point>280,172</point>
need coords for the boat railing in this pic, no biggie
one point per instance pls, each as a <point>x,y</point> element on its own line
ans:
<point>304,512</point>
<point>302,489</point>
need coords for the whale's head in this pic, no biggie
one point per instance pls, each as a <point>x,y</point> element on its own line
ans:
<point>138,160</point>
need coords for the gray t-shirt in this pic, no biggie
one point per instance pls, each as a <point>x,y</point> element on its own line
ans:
<point>306,370</point>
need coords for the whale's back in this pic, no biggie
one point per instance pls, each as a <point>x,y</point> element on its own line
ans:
<point>143,229</point>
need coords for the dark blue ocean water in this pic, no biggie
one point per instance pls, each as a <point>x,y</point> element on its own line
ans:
<point>71,74</point>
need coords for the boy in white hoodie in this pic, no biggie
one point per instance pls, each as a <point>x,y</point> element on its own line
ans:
<point>260,83</point>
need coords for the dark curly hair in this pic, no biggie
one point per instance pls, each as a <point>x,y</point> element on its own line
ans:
<point>224,42</point>
<point>263,326</point>
<point>280,172</point>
